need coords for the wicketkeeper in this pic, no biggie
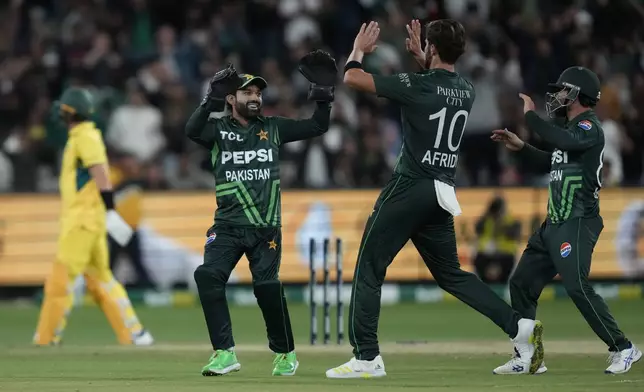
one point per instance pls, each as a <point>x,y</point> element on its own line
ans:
<point>245,157</point>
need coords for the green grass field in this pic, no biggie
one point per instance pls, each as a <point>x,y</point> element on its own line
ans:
<point>454,349</point>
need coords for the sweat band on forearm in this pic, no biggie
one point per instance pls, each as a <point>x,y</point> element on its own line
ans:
<point>108,199</point>
<point>352,64</point>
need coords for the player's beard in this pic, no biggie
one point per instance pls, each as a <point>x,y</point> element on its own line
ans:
<point>246,109</point>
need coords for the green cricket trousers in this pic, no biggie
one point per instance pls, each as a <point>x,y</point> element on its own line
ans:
<point>566,249</point>
<point>408,209</point>
<point>225,245</point>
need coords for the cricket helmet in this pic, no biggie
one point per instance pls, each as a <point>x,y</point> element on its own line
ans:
<point>76,101</point>
<point>573,83</point>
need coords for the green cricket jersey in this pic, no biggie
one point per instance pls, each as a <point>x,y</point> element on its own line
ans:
<point>575,164</point>
<point>435,105</point>
<point>245,161</point>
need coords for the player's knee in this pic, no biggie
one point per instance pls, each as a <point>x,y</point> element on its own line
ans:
<point>201,275</point>
<point>207,276</point>
<point>267,290</point>
<point>59,281</point>
<point>518,282</point>
<point>578,289</point>
<point>98,275</point>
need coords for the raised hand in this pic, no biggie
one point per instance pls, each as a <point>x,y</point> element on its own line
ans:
<point>413,43</point>
<point>367,37</point>
<point>528,104</point>
<point>510,139</point>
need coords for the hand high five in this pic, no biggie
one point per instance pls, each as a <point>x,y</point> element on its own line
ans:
<point>413,43</point>
<point>367,36</point>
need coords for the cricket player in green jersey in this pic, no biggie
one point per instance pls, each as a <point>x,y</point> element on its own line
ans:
<point>245,146</point>
<point>419,202</point>
<point>565,241</point>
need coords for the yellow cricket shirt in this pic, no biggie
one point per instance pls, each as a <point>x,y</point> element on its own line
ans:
<point>82,205</point>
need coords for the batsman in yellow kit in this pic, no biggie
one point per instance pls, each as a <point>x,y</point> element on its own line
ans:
<point>87,217</point>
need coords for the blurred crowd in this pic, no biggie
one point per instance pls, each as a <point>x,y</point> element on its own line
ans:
<point>148,62</point>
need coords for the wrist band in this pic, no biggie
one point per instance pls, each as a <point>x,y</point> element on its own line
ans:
<point>352,64</point>
<point>108,199</point>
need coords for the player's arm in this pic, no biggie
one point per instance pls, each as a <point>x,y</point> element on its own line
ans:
<point>399,88</point>
<point>566,139</point>
<point>358,79</point>
<point>199,129</point>
<point>538,159</point>
<point>290,130</point>
<point>91,150</point>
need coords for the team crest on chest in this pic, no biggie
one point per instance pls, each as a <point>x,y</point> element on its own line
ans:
<point>263,135</point>
<point>211,238</point>
<point>565,249</point>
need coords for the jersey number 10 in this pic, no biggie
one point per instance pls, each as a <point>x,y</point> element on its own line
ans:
<point>440,115</point>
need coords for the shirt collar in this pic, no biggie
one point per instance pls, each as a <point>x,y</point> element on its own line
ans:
<point>437,70</point>
<point>80,126</point>
<point>232,120</point>
<point>582,116</point>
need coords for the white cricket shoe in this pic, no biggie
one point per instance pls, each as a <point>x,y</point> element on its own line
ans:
<point>356,368</point>
<point>621,361</point>
<point>143,339</point>
<point>528,348</point>
<point>517,366</point>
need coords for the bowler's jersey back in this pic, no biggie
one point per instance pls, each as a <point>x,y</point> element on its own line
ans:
<point>435,105</point>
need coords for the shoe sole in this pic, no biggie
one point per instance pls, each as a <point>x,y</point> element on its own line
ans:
<point>360,375</point>
<point>541,370</point>
<point>629,368</point>
<point>536,339</point>
<point>297,364</point>
<point>213,373</point>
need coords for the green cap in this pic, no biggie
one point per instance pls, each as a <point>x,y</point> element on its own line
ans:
<point>77,101</point>
<point>249,80</point>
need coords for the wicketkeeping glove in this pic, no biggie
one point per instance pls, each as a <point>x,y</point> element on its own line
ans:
<point>320,69</point>
<point>225,81</point>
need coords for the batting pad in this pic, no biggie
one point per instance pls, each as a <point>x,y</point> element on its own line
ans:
<point>113,300</point>
<point>57,303</point>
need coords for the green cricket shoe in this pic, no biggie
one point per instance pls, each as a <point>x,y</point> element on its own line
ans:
<point>285,364</point>
<point>221,362</point>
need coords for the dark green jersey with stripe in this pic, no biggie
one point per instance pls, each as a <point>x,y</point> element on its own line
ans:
<point>245,163</point>
<point>434,105</point>
<point>576,165</point>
